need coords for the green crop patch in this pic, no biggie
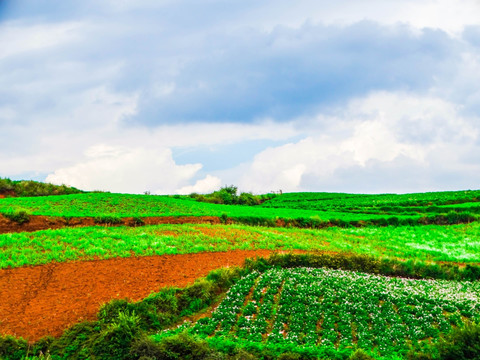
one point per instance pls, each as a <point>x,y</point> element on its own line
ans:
<point>454,243</point>
<point>298,209</point>
<point>323,311</point>
<point>326,201</point>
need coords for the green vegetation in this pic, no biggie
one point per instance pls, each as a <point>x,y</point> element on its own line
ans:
<point>19,216</point>
<point>123,205</point>
<point>229,195</point>
<point>396,277</point>
<point>265,290</point>
<point>33,188</point>
<point>321,311</point>
<point>343,201</point>
<point>455,243</point>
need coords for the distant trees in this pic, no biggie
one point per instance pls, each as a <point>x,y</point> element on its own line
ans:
<point>229,195</point>
<point>33,188</point>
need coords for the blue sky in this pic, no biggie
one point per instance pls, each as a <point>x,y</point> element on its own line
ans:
<point>181,96</point>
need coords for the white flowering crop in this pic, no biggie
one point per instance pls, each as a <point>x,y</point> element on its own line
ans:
<point>340,309</point>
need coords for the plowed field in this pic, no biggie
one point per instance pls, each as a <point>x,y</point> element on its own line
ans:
<point>44,300</point>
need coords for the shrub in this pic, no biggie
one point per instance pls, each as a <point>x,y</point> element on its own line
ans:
<point>183,346</point>
<point>12,348</point>
<point>109,312</point>
<point>462,343</point>
<point>224,277</point>
<point>166,301</point>
<point>145,348</point>
<point>19,216</point>
<point>224,218</point>
<point>108,220</point>
<point>359,354</point>
<point>6,185</point>
<point>228,195</point>
<point>248,199</point>
<point>41,347</point>
<point>137,221</point>
<point>148,315</point>
<point>76,342</point>
<point>114,341</point>
<point>289,356</point>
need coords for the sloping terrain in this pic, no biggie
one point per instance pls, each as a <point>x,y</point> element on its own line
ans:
<point>44,300</point>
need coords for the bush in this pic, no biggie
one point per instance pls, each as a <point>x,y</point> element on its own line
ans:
<point>108,220</point>
<point>6,185</point>
<point>224,278</point>
<point>76,342</point>
<point>148,315</point>
<point>145,348</point>
<point>136,221</point>
<point>228,195</point>
<point>114,341</point>
<point>359,354</point>
<point>12,348</point>
<point>185,347</point>
<point>224,218</point>
<point>289,356</point>
<point>41,347</point>
<point>462,343</point>
<point>248,199</point>
<point>19,216</point>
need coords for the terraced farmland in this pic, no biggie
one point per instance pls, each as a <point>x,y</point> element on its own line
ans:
<point>304,210</point>
<point>323,311</point>
<point>365,276</point>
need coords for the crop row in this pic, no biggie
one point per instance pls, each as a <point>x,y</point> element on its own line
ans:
<point>383,203</point>
<point>340,309</point>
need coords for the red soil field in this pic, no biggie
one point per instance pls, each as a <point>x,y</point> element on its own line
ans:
<point>44,300</point>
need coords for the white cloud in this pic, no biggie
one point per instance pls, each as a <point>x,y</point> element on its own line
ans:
<point>372,132</point>
<point>206,185</point>
<point>122,169</point>
<point>17,38</point>
<point>449,15</point>
<point>89,86</point>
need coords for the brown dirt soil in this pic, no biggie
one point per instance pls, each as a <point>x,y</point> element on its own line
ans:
<point>44,300</point>
<point>40,222</point>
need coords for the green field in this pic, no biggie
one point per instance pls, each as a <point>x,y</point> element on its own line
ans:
<point>306,209</point>
<point>454,243</point>
<point>322,311</point>
<point>360,202</point>
<point>370,285</point>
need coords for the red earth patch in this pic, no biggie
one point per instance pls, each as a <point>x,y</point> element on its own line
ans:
<point>44,300</point>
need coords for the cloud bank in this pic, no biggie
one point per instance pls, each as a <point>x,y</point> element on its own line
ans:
<point>183,96</point>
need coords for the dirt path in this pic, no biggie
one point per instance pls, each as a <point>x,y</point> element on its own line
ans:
<point>44,300</point>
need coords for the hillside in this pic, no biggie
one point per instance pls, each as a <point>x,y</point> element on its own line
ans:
<point>14,188</point>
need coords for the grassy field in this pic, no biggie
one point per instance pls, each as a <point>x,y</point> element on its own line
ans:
<point>311,210</point>
<point>328,201</point>
<point>292,309</point>
<point>454,243</point>
<point>124,205</point>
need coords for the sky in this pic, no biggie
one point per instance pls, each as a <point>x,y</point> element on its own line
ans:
<point>174,97</point>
